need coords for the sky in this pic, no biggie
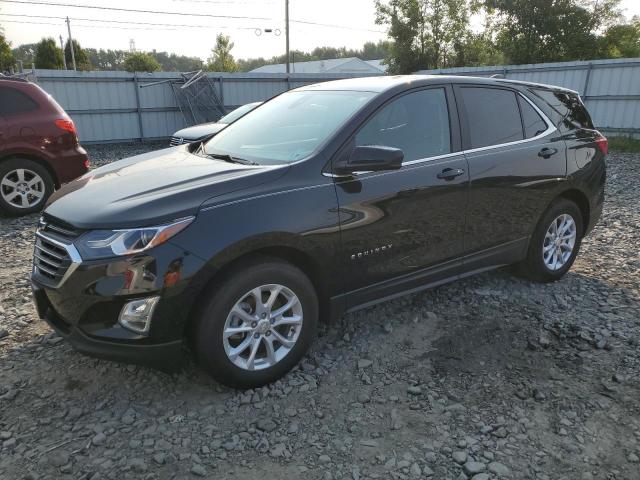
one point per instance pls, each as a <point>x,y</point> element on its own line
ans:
<point>348,23</point>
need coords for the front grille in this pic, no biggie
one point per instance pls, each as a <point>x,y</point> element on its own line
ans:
<point>54,253</point>
<point>51,260</point>
<point>176,141</point>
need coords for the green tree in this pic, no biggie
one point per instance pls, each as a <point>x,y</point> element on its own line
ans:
<point>221,59</point>
<point>26,53</point>
<point>176,63</point>
<point>7,59</point>
<point>424,32</point>
<point>533,31</point>
<point>141,62</point>
<point>622,40</point>
<point>48,55</point>
<point>82,59</point>
<point>106,59</point>
<point>374,51</point>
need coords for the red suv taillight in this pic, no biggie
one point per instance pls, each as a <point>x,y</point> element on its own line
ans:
<point>66,125</point>
<point>603,144</point>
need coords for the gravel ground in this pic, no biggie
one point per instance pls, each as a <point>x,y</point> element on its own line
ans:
<point>490,377</point>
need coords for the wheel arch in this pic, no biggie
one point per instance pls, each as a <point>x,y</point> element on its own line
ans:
<point>294,255</point>
<point>35,158</point>
<point>581,200</point>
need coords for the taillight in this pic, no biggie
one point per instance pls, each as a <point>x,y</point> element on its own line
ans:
<point>66,125</point>
<point>603,144</point>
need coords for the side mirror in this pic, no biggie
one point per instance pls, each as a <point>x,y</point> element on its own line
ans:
<point>374,158</point>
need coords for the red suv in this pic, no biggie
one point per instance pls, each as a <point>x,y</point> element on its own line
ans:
<point>39,149</point>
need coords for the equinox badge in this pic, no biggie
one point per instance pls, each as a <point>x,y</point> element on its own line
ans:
<point>373,251</point>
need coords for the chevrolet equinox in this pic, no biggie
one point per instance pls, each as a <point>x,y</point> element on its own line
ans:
<point>323,200</point>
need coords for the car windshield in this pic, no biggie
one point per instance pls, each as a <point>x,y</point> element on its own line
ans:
<point>237,113</point>
<point>288,128</point>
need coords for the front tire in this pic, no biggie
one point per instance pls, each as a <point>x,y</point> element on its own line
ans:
<point>555,243</point>
<point>257,324</point>
<point>25,186</point>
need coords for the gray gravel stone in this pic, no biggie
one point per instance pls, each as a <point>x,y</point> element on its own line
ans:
<point>499,469</point>
<point>459,457</point>
<point>471,468</point>
<point>198,470</point>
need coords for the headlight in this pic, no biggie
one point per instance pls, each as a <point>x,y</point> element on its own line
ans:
<point>109,243</point>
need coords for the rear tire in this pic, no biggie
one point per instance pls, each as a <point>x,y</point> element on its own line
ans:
<point>268,329</point>
<point>555,243</point>
<point>25,186</point>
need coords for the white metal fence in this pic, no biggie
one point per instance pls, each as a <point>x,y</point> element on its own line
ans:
<point>113,106</point>
<point>116,106</point>
<point>609,88</point>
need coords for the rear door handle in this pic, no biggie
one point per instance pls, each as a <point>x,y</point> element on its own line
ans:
<point>547,152</point>
<point>450,173</point>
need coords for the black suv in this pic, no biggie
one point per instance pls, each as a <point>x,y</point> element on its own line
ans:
<point>326,199</point>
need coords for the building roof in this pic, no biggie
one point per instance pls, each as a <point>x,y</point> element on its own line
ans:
<point>378,64</point>
<point>333,65</point>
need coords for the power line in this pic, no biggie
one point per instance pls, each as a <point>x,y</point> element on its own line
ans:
<point>330,25</point>
<point>126,22</point>
<point>131,10</point>
<point>75,25</point>
<point>230,2</point>
<point>186,14</point>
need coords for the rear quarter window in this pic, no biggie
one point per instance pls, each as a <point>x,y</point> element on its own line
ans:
<point>15,102</point>
<point>566,109</point>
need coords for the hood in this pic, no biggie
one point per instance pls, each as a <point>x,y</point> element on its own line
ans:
<point>152,188</point>
<point>196,132</point>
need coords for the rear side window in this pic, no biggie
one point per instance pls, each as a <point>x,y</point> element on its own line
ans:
<point>532,122</point>
<point>567,110</point>
<point>493,116</point>
<point>14,102</point>
<point>417,123</point>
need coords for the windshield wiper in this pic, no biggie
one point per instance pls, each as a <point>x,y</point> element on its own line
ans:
<point>228,158</point>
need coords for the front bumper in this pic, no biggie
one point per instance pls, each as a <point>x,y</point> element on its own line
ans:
<point>164,356</point>
<point>84,309</point>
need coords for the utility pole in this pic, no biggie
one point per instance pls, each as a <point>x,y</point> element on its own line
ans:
<point>286,29</point>
<point>73,54</point>
<point>64,57</point>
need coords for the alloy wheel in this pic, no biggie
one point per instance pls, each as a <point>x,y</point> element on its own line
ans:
<point>559,242</point>
<point>262,327</point>
<point>22,188</point>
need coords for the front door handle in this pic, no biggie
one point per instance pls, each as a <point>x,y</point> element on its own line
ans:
<point>547,152</point>
<point>450,173</point>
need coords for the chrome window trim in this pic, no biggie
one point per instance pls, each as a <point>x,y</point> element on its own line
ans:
<point>550,129</point>
<point>76,259</point>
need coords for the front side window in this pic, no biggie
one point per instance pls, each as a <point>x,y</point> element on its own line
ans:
<point>14,102</point>
<point>416,123</point>
<point>288,128</point>
<point>493,116</point>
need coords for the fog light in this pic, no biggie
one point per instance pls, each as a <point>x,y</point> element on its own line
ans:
<point>136,315</point>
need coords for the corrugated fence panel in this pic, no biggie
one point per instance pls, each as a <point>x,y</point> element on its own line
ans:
<point>157,124</point>
<point>241,92</point>
<point>105,106</point>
